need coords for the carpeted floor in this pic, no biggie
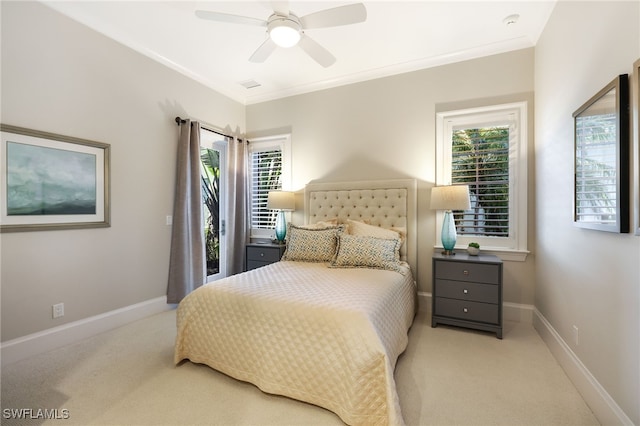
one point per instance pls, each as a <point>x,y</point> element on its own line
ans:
<point>447,376</point>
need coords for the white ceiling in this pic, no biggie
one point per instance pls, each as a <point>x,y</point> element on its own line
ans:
<point>397,37</point>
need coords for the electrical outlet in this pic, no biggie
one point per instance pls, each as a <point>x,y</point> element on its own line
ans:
<point>58,310</point>
<point>576,338</point>
<point>169,220</point>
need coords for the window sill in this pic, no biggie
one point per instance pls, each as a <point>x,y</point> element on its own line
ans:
<point>504,254</point>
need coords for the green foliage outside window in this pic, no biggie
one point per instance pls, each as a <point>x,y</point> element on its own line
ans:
<point>210,174</point>
<point>480,159</point>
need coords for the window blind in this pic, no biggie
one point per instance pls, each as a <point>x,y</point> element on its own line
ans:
<point>480,159</point>
<point>266,175</point>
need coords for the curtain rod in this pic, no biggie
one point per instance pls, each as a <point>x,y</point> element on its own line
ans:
<point>180,121</point>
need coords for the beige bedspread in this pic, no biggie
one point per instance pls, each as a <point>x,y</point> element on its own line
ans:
<point>323,335</point>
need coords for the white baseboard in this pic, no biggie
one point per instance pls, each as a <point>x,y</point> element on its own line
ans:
<point>596,397</point>
<point>510,311</point>
<point>53,338</point>
<point>517,312</point>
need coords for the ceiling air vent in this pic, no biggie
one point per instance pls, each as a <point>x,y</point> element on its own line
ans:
<point>250,84</point>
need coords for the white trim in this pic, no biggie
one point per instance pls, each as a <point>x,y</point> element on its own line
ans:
<point>214,140</point>
<point>56,337</point>
<point>508,255</point>
<point>597,398</point>
<point>283,143</point>
<point>516,312</point>
<point>514,113</point>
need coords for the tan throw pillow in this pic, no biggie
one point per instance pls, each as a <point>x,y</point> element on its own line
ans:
<point>311,245</point>
<point>323,224</point>
<point>357,251</point>
<point>356,227</point>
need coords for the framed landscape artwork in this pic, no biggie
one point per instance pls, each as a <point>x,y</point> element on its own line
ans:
<point>50,181</point>
<point>601,173</point>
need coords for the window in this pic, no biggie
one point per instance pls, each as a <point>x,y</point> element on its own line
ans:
<point>213,169</point>
<point>486,148</point>
<point>269,170</point>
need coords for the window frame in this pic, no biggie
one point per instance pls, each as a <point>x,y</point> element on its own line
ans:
<point>211,139</point>
<point>283,143</point>
<point>513,247</point>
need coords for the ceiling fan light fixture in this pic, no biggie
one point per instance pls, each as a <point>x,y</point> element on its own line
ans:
<point>284,32</point>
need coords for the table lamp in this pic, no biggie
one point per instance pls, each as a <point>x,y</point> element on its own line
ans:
<point>282,201</point>
<point>448,198</point>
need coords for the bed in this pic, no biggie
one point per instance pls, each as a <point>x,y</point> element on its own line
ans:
<point>322,328</point>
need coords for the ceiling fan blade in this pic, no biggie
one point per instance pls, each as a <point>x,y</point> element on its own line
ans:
<point>263,52</point>
<point>317,52</point>
<point>281,7</point>
<point>342,15</point>
<point>232,19</point>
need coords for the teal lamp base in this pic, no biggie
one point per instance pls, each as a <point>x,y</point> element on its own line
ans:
<point>281,227</point>
<point>448,234</point>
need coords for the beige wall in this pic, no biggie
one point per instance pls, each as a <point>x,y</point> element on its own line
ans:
<point>385,128</point>
<point>585,278</point>
<point>60,77</point>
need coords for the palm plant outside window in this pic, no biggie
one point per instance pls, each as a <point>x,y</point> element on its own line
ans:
<point>480,159</point>
<point>210,180</point>
<point>486,149</point>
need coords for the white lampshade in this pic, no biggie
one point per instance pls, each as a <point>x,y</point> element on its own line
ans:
<point>281,200</point>
<point>452,197</point>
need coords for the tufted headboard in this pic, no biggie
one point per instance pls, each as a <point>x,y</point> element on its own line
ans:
<point>386,203</point>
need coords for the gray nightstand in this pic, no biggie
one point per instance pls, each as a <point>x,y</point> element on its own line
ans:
<point>467,292</point>
<point>263,254</point>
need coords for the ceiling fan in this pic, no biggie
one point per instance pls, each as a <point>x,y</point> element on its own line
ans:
<point>285,29</point>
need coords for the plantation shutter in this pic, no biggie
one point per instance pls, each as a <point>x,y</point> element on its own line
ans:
<point>486,148</point>
<point>266,175</point>
<point>596,169</point>
<point>480,159</point>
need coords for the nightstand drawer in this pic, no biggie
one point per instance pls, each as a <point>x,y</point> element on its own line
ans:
<point>487,293</point>
<point>253,264</point>
<point>258,255</point>
<point>467,310</point>
<point>263,254</point>
<point>463,271</point>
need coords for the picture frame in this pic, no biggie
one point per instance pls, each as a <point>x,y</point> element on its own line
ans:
<point>635,86</point>
<point>601,161</point>
<point>52,182</point>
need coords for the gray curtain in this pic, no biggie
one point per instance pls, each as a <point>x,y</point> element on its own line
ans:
<point>186,263</point>
<point>238,206</point>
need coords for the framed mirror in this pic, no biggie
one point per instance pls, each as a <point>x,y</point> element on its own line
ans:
<point>601,163</point>
<point>635,85</point>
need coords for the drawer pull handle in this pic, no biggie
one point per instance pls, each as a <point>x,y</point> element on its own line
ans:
<point>465,272</point>
<point>465,310</point>
<point>465,291</point>
<point>261,254</point>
